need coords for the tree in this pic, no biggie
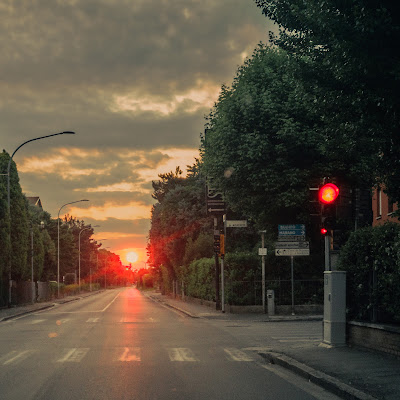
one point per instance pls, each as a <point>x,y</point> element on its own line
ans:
<point>263,146</point>
<point>178,218</point>
<point>19,228</point>
<point>349,52</point>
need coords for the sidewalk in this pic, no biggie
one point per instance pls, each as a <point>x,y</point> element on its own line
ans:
<point>16,311</point>
<point>350,373</point>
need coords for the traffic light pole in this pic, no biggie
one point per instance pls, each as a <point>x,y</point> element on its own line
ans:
<point>327,253</point>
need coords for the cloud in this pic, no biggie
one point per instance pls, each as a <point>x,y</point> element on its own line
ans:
<point>117,72</point>
<point>133,79</point>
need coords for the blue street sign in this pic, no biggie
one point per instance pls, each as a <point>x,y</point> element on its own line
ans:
<point>292,230</point>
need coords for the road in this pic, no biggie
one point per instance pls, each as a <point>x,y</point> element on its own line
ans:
<point>120,344</point>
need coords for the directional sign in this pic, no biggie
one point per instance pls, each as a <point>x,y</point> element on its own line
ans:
<point>292,245</point>
<point>299,238</point>
<point>292,252</point>
<point>292,230</point>
<point>216,210</point>
<point>236,224</point>
<point>293,226</point>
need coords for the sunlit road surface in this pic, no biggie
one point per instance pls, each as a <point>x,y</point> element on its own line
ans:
<point>121,345</point>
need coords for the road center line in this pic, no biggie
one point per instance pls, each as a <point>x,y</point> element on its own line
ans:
<point>112,301</point>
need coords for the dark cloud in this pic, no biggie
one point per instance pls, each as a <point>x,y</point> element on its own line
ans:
<point>63,63</point>
<point>129,76</point>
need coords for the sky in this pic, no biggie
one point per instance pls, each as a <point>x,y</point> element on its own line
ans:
<point>134,79</point>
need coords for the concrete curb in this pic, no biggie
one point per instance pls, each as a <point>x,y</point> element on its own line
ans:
<point>320,378</point>
<point>26,312</point>
<point>166,304</point>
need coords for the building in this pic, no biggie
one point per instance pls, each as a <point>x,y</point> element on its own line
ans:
<point>382,208</point>
<point>35,201</point>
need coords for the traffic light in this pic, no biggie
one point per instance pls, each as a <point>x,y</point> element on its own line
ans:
<point>327,195</point>
<point>221,245</point>
<point>217,244</point>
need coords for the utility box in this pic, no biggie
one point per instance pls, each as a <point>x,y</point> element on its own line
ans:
<point>334,308</point>
<point>271,302</point>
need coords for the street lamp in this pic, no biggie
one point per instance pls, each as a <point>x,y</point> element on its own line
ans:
<point>9,198</point>
<point>79,247</point>
<point>58,244</point>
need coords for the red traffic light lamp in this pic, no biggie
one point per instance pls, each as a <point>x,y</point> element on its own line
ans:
<point>328,193</point>
<point>324,231</point>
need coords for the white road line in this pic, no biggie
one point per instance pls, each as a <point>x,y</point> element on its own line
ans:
<point>74,355</point>
<point>93,320</point>
<point>17,356</point>
<point>112,301</point>
<point>130,354</point>
<point>36,321</point>
<point>237,355</point>
<point>181,354</point>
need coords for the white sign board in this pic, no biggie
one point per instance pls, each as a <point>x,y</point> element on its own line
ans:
<point>236,224</point>
<point>292,245</point>
<point>262,251</point>
<point>292,252</point>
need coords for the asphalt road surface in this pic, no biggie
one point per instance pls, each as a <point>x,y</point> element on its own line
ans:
<point>120,344</point>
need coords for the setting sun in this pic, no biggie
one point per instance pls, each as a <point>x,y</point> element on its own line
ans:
<point>132,256</point>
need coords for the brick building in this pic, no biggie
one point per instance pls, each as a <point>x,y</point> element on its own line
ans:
<point>382,208</point>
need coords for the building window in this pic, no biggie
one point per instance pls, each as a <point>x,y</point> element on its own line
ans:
<point>379,203</point>
<point>390,206</point>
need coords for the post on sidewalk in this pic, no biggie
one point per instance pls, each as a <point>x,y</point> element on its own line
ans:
<point>217,277</point>
<point>262,251</point>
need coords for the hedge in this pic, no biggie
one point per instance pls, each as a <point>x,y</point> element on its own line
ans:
<point>371,258</point>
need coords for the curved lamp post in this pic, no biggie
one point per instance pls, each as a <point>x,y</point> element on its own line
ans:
<point>79,247</point>
<point>58,243</point>
<point>9,197</point>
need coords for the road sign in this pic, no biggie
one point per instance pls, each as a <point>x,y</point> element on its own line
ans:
<point>292,252</point>
<point>236,224</point>
<point>216,210</point>
<point>297,238</point>
<point>292,245</point>
<point>292,230</point>
<point>291,226</point>
<point>262,251</point>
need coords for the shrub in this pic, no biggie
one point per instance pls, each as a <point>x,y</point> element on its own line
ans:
<point>371,258</point>
<point>199,279</point>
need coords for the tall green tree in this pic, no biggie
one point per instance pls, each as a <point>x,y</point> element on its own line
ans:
<point>351,56</point>
<point>263,146</point>
<point>178,218</point>
<point>19,222</point>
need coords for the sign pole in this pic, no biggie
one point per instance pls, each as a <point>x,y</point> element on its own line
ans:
<point>217,298</point>
<point>263,275</point>
<point>292,274</point>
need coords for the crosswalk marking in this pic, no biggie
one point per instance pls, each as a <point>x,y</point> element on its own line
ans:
<point>13,357</point>
<point>130,354</point>
<point>237,355</point>
<point>74,355</point>
<point>181,354</point>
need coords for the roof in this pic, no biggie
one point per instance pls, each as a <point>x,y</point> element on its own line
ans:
<point>35,201</point>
